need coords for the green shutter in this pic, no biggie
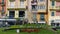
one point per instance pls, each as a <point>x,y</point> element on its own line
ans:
<point>53,3</point>
<point>42,17</point>
<point>52,14</point>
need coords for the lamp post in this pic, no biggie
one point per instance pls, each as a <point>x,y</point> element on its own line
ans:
<point>17,21</point>
<point>6,20</point>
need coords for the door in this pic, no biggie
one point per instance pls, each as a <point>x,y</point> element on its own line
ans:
<point>11,14</point>
<point>21,13</point>
<point>42,17</point>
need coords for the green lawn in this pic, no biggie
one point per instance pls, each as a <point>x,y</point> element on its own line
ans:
<point>43,30</point>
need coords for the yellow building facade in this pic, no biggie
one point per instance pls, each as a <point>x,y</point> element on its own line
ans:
<point>30,8</point>
<point>42,11</point>
<point>38,11</point>
<point>14,5</point>
<point>53,12</point>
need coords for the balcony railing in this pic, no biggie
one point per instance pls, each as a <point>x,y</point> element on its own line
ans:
<point>34,9</point>
<point>58,7</point>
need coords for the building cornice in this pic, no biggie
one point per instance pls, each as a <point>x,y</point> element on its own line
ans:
<point>54,9</point>
<point>16,8</point>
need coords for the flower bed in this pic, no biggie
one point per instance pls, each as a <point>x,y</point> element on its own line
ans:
<point>30,30</point>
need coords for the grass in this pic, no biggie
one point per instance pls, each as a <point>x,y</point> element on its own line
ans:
<point>43,30</point>
<point>28,26</point>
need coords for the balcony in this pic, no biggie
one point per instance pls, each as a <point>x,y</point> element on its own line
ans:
<point>57,20</point>
<point>14,0</point>
<point>34,2</point>
<point>55,8</point>
<point>16,8</point>
<point>34,10</point>
<point>34,7</point>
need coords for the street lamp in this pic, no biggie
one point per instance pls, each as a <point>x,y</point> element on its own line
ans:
<point>6,20</point>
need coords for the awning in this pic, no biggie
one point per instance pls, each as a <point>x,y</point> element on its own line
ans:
<point>7,19</point>
<point>10,19</point>
<point>41,22</point>
<point>56,21</point>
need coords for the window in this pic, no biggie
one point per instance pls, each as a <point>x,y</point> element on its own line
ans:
<point>21,13</point>
<point>2,9</point>
<point>42,17</point>
<point>2,0</point>
<point>12,4</point>
<point>11,14</point>
<point>21,4</point>
<point>34,7</point>
<point>57,24</point>
<point>34,16</point>
<point>40,0</point>
<point>41,7</point>
<point>52,14</point>
<point>53,3</point>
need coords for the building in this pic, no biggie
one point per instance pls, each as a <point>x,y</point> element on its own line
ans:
<point>54,12</point>
<point>16,9</point>
<point>34,10</point>
<point>2,8</point>
<point>42,13</point>
<point>38,9</point>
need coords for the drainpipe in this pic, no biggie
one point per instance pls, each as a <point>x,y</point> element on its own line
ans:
<point>47,12</point>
